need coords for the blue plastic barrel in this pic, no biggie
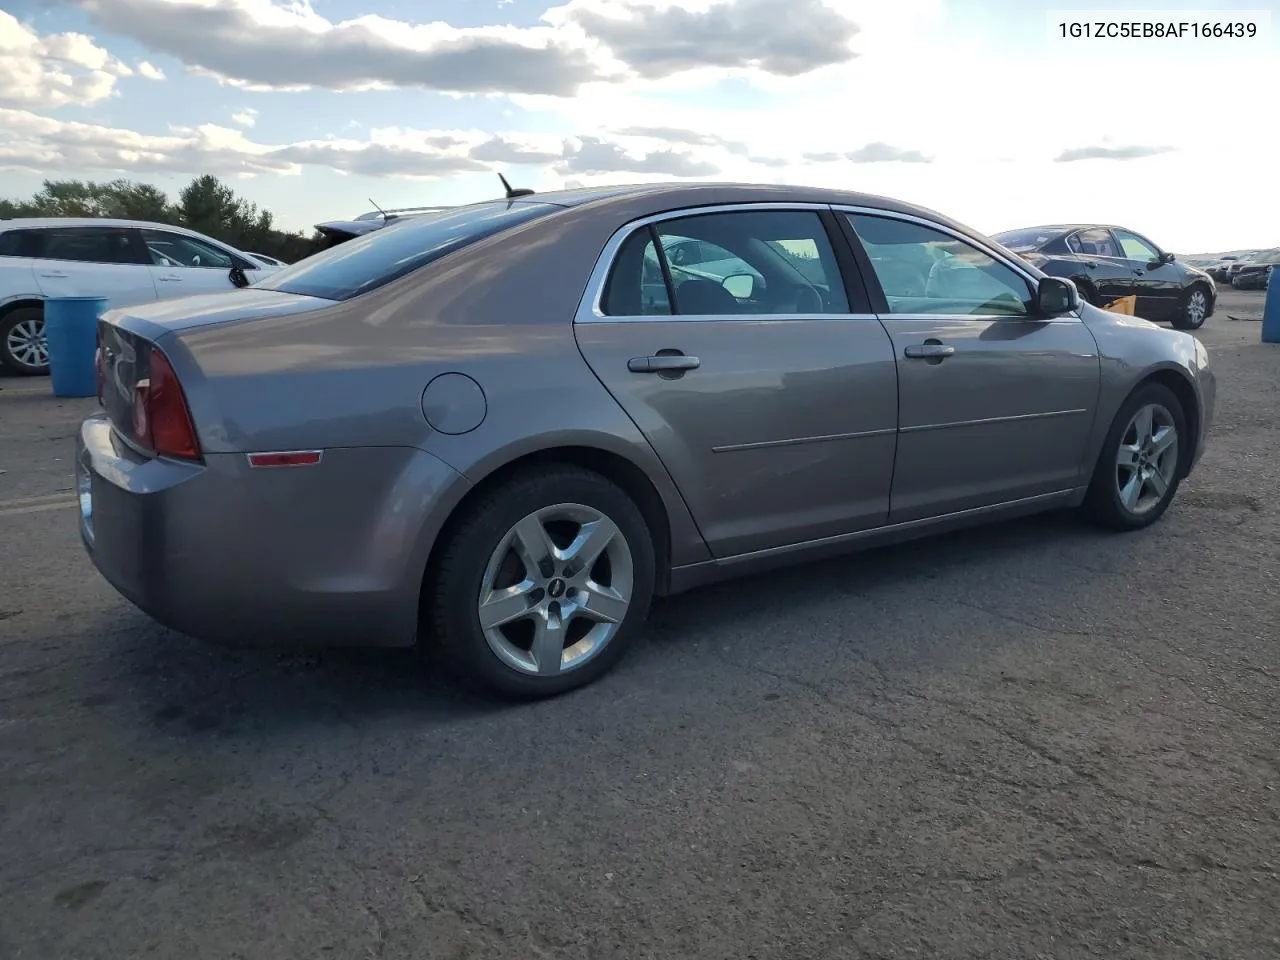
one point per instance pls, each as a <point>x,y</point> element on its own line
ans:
<point>1271,312</point>
<point>71,331</point>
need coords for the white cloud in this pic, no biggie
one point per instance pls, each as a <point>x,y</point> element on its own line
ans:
<point>246,117</point>
<point>150,70</point>
<point>43,144</point>
<point>53,70</point>
<point>264,44</point>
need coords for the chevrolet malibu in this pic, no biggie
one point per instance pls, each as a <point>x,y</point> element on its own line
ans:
<point>504,427</point>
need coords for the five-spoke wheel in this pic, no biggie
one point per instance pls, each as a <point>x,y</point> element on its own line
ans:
<point>1140,466</point>
<point>540,584</point>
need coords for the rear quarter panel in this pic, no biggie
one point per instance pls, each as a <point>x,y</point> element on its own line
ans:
<point>353,374</point>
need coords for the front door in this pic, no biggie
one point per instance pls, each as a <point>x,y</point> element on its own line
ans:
<point>772,403</point>
<point>185,265</point>
<point>995,405</point>
<point>1158,285</point>
<point>92,262</point>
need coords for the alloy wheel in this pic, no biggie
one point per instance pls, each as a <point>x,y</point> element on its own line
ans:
<point>26,343</point>
<point>1197,307</point>
<point>1147,459</point>
<point>556,589</point>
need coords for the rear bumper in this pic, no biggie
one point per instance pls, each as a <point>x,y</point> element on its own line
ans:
<point>330,555</point>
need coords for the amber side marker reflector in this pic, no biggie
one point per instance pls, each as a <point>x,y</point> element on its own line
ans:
<point>285,458</point>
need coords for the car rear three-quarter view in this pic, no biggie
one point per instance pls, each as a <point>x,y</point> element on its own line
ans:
<point>502,428</point>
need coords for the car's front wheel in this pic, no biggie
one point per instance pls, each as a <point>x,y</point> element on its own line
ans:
<point>542,584</point>
<point>1193,310</point>
<point>1140,467</point>
<point>23,347</point>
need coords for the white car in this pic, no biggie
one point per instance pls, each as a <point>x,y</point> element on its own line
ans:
<point>126,261</point>
<point>267,261</point>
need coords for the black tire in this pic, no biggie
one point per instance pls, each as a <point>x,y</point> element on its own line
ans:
<point>454,583</point>
<point>1103,503</point>
<point>1183,319</point>
<point>8,323</point>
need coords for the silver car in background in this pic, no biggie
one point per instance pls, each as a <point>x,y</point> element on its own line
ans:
<point>504,427</point>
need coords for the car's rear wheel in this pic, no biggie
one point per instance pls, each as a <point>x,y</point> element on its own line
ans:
<point>541,586</point>
<point>23,347</point>
<point>1193,309</point>
<point>1140,466</point>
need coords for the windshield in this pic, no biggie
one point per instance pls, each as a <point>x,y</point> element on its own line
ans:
<point>402,246</point>
<point>1031,239</point>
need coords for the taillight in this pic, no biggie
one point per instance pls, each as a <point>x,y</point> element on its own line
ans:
<point>161,417</point>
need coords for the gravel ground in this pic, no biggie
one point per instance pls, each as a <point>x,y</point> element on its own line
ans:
<point>1034,740</point>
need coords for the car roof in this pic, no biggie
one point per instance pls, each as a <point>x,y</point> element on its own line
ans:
<point>1060,228</point>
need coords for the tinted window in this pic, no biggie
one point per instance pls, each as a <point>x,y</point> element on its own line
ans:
<point>1135,248</point>
<point>1093,243</point>
<point>926,271</point>
<point>365,263</point>
<point>20,243</point>
<point>730,264</point>
<point>177,250</point>
<point>88,245</point>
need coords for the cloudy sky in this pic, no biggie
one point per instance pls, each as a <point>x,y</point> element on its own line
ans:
<point>968,106</point>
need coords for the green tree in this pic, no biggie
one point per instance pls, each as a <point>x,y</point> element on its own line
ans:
<point>206,205</point>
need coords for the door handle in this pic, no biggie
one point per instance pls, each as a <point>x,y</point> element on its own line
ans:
<point>54,276</point>
<point>662,363</point>
<point>1137,273</point>
<point>170,278</point>
<point>1091,265</point>
<point>935,351</point>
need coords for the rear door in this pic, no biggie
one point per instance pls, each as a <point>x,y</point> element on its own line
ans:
<point>93,262</point>
<point>774,406</point>
<point>1105,269</point>
<point>1158,286</point>
<point>995,405</point>
<point>184,265</point>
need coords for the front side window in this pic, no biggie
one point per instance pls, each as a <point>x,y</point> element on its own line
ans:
<point>1135,248</point>
<point>364,263</point>
<point>177,250</point>
<point>87,245</point>
<point>774,262</point>
<point>926,271</point>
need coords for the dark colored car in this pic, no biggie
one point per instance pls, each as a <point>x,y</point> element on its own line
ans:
<point>1254,273</point>
<point>1107,263</point>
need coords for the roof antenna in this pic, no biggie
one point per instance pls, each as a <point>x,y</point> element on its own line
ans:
<point>385,215</point>
<point>513,192</point>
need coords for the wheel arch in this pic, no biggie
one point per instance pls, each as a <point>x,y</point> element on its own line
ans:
<point>19,302</point>
<point>1180,385</point>
<point>613,466</point>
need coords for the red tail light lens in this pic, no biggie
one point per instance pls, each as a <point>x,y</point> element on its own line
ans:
<point>161,417</point>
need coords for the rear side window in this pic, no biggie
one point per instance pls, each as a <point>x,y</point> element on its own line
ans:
<point>365,263</point>
<point>89,245</point>
<point>20,243</point>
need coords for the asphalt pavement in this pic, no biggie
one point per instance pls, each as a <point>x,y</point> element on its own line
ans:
<point>1035,740</point>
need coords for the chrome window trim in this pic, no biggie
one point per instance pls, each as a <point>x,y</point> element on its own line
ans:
<point>589,308</point>
<point>1032,280</point>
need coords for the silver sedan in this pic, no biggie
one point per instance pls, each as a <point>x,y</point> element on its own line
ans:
<point>503,427</point>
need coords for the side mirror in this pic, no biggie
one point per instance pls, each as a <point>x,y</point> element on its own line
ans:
<point>1056,296</point>
<point>740,285</point>
<point>238,278</point>
<point>1165,258</point>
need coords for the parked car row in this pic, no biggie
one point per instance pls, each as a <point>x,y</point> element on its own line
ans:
<point>125,261</point>
<point>522,419</point>
<point>1107,263</point>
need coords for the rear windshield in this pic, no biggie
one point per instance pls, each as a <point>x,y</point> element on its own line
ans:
<point>366,263</point>
<point>1025,239</point>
